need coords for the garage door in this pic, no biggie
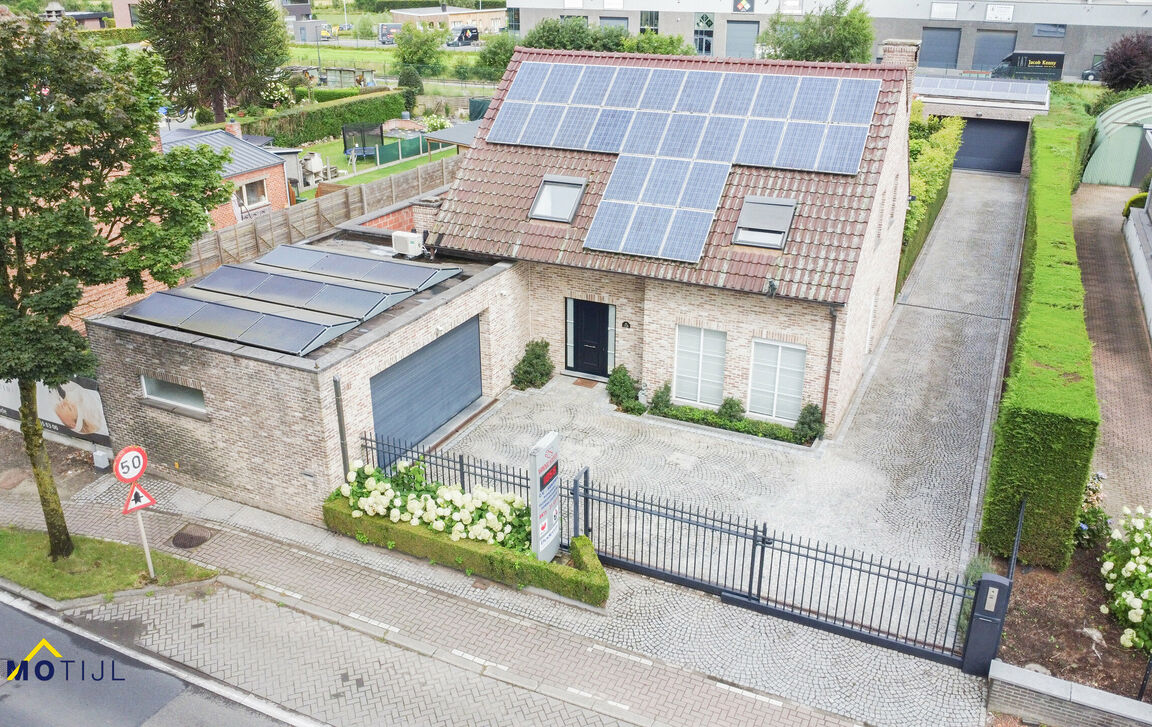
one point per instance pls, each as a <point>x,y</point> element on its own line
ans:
<point>939,47</point>
<point>992,46</point>
<point>417,395</point>
<point>993,146</point>
<point>741,41</point>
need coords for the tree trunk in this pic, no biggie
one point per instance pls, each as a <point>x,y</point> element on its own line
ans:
<point>218,107</point>
<point>59,541</point>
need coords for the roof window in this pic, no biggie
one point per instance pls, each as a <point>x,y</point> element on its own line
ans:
<point>764,222</point>
<point>558,198</point>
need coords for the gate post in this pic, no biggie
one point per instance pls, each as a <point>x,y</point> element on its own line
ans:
<point>986,623</point>
<point>576,521</point>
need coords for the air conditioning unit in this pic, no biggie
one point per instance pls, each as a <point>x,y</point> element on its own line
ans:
<point>410,244</point>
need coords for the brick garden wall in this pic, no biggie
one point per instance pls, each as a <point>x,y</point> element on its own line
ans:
<point>1037,698</point>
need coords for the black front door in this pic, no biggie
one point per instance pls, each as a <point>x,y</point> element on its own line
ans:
<point>590,334</point>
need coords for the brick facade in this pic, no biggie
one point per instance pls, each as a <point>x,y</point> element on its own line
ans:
<point>275,187</point>
<point>401,219</point>
<point>1041,699</point>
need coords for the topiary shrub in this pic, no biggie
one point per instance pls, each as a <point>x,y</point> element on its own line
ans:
<point>809,425</point>
<point>1137,201</point>
<point>661,400</point>
<point>731,410</point>
<point>204,116</point>
<point>409,95</point>
<point>409,77</point>
<point>622,387</point>
<point>535,368</point>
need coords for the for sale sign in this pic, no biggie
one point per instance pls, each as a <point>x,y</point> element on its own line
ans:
<point>545,497</point>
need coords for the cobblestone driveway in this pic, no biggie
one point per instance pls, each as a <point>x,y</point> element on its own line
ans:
<point>904,475</point>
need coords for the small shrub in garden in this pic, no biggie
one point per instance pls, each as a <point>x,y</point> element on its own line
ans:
<point>662,399</point>
<point>1127,580</point>
<point>633,407</point>
<point>731,410</point>
<point>622,387</point>
<point>1093,526</point>
<point>1138,200</point>
<point>809,425</point>
<point>535,368</point>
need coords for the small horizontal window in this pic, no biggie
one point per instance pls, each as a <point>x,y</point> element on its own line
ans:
<point>558,198</point>
<point>764,222</point>
<point>1049,30</point>
<point>170,393</point>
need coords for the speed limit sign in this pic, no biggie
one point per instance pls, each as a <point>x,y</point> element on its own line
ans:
<point>130,464</point>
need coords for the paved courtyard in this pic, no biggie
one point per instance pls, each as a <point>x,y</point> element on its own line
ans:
<point>1121,355</point>
<point>903,476</point>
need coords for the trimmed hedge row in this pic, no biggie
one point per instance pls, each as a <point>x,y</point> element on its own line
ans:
<point>112,36</point>
<point>932,151</point>
<point>1046,429</point>
<point>381,6</point>
<point>320,95</point>
<point>585,581</point>
<point>302,124</point>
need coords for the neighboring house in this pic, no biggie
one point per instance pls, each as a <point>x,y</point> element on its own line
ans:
<point>761,266</point>
<point>448,16</point>
<point>259,175</point>
<point>956,35</point>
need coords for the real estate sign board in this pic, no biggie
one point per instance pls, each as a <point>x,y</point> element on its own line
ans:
<point>73,409</point>
<point>544,496</point>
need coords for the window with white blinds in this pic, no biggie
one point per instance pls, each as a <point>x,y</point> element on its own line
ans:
<point>699,365</point>
<point>776,386</point>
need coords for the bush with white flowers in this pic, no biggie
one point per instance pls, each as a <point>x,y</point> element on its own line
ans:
<point>1125,568</point>
<point>497,518</point>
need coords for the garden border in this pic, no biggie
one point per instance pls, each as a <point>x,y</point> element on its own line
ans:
<point>1041,698</point>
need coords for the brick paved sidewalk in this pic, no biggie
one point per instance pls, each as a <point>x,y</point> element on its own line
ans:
<point>1121,355</point>
<point>663,652</point>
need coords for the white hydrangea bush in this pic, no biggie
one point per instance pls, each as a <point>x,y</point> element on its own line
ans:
<point>496,518</point>
<point>1125,569</point>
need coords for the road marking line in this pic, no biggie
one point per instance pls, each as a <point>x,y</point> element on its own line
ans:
<point>753,695</point>
<point>478,660</point>
<point>623,654</point>
<point>374,622</point>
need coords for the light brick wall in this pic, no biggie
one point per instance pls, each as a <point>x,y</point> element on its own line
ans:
<point>257,443</point>
<point>275,188</point>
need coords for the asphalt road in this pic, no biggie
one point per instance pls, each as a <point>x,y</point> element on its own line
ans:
<point>139,696</point>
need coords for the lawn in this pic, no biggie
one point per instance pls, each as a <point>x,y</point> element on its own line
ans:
<point>333,153</point>
<point>381,172</point>
<point>96,566</point>
<point>372,56</point>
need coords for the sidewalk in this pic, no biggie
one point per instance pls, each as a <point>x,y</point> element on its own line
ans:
<point>658,654</point>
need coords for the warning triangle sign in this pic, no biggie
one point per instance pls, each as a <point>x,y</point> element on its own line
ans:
<point>138,499</point>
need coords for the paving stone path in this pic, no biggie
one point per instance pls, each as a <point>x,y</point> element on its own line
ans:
<point>1121,354</point>
<point>903,477</point>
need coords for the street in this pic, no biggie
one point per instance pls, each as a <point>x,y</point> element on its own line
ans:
<point>78,687</point>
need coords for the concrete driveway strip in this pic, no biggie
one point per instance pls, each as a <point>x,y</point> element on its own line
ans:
<point>903,478</point>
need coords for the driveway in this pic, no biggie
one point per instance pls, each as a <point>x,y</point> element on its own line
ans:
<point>904,476</point>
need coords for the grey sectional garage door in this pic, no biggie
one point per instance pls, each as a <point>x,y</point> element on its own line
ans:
<point>993,146</point>
<point>939,47</point>
<point>415,396</point>
<point>741,41</point>
<point>992,46</point>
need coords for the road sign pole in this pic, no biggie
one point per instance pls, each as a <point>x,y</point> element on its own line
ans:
<point>144,539</point>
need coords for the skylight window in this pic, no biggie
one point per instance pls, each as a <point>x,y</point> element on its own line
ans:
<point>558,198</point>
<point>765,222</point>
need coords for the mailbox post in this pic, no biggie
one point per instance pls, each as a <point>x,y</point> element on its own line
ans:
<point>986,623</point>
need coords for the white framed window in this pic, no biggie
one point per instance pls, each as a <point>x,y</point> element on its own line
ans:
<point>558,198</point>
<point>252,194</point>
<point>170,393</point>
<point>776,385</point>
<point>699,374</point>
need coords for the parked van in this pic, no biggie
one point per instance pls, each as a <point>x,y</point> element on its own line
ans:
<point>466,35</point>
<point>388,31</point>
<point>1031,64</point>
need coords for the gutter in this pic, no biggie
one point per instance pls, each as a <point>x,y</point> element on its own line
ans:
<point>831,348</point>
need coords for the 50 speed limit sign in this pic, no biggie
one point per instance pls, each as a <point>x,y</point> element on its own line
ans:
<point>130,464</point>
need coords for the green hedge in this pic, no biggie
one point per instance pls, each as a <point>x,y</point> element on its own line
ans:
<point>932,150</point>
<point>1046,429</point>
<point>320,95</point>
<point>113,36</point>
<point>1137,201</point>
<point>585,581</point>
<point>302,124</point>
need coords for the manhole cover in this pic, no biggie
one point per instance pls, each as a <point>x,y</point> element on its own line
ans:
<point>192,536</point>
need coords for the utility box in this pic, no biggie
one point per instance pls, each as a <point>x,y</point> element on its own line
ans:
<point>986,623</point>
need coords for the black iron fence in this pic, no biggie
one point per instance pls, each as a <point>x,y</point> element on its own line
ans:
<point>913,609</point>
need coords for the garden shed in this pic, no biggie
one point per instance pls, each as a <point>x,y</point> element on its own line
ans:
<point>1116,146</point>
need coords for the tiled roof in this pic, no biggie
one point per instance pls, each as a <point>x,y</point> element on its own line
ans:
<point>486,210</point>
<point>246,157</point>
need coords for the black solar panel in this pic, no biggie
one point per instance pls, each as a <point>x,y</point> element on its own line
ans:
<point>232,279</point>
<point>163,309</point>
<point>220,321</point>
<point>281,334</point>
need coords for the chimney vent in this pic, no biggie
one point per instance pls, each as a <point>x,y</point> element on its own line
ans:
<point>233,128</point>
<point>905,53</point>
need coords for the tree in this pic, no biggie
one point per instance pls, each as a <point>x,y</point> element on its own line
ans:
<point>1128,63</point>
<point>495,57</point>
<point>86,200</point>
<point>421,49</point>
<point>665,45</point>
<point>574,34</point>
<point>568,34</point>
<point>215,50</point>
<point>836,33</point>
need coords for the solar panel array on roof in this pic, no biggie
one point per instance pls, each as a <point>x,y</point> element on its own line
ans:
<point>677,133</point>
<point>992,89</point>
<point>293,300</point>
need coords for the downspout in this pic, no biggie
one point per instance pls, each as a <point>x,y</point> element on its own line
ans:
<point>828,369</point>
<point>340,423</point>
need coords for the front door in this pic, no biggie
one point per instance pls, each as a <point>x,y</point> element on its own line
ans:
<point>590,337</point>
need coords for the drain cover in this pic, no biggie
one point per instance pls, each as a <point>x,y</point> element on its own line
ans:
<point>192,536</point>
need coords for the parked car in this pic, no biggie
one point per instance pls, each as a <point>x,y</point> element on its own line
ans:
<point>345,26</point>
<point>326,32</point>
<point>1093,73</point>
<point>466,35</point>
<point>388,31</point>
<point>1031,64</point>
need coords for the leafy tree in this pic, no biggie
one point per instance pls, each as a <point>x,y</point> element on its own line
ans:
<point>409,77</point>
<point>1128,63</point>
<point>216,49</point>
<point>568,34</point>
<point>421,49</point>
<point>495,57</point>
<point>86,200</point>
<point>665,45</point>
<point>836,33</point>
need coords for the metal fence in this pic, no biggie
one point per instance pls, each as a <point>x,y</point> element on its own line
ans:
<point>916,610</point>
